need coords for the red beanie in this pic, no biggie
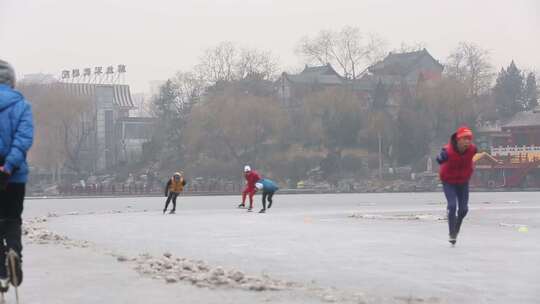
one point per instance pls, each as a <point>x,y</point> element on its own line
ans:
<point>464,132</point>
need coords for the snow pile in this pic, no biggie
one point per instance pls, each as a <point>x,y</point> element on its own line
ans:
<point>174,269</point>
<point>199,273</point>
<point>35,232</point>
<point>171,269</point>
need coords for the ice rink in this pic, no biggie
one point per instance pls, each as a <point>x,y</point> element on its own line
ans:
<point>350,248</point>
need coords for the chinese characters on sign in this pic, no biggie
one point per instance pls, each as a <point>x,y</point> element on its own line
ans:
<point>99,72</point>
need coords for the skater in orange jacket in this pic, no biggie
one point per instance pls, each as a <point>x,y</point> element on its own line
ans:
<point>174,187</point>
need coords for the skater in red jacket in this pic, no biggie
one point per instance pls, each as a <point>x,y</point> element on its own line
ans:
<point>456,160</point>
<point>251,178</point>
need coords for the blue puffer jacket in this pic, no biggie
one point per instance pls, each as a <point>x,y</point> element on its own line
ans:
<point>268,185</point>
<point>16,133</point>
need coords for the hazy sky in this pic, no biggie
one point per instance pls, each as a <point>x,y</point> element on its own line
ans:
<point>159,37</point>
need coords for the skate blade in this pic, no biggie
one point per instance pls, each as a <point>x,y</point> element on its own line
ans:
<point>12,256</point>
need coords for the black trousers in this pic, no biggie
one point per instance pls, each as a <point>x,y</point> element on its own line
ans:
<point>267,195</point>
<point>11,208</point>
<point>457,197</point>
<point>172,196</point>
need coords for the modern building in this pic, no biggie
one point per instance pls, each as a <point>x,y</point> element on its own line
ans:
<point>115,136</point>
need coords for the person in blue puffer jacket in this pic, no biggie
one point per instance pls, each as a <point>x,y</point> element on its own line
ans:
<point>268,188</point>
<point>16,136</point>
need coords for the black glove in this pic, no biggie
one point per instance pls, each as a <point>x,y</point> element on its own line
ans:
<point>3,180</point>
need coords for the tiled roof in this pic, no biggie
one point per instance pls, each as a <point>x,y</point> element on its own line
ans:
<point>321,79</point>
<point>318,74</point>
<point>399,63</point>
<point>488,127</point>
<point>524,119</point>
<point>121,92</point>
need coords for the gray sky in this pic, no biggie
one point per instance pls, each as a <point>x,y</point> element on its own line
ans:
<point>159,37</point>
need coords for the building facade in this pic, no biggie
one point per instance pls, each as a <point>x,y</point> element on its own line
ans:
<point>114,137</point>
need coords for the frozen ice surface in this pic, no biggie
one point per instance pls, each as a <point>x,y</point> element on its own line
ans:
<point>393,250</point>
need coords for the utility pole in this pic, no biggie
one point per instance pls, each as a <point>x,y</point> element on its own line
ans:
<point>380,154</point>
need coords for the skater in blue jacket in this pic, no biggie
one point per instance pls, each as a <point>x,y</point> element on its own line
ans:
<point>268,189</point>
<point>16,136</point>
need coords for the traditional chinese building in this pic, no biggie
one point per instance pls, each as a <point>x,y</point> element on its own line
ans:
<point>292,88</point>
<point>410,67</point>
<point>398,75</point>
<point>513,158</point>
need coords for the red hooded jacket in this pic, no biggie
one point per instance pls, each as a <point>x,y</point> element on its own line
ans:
<point>252,177</point>
<point>456,168</point>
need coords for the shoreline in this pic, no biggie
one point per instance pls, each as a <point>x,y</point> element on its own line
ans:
<point>281,192</point>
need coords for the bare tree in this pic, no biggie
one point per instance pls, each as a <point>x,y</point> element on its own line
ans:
<point>334,117</point>
<point>64,124</point>
<point>445,105</point>
<point>232,124</point>
<point>471,65</point>
<point>228,62</point>
<point>256,64</point>
<point>317,49</point>
<point>47,153</point>
<point>410,47</point>
<point>190,87</point>
<point>347,49</point>
<point>217,63</point>
<point>376,46</point>
<point>77,131</point>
